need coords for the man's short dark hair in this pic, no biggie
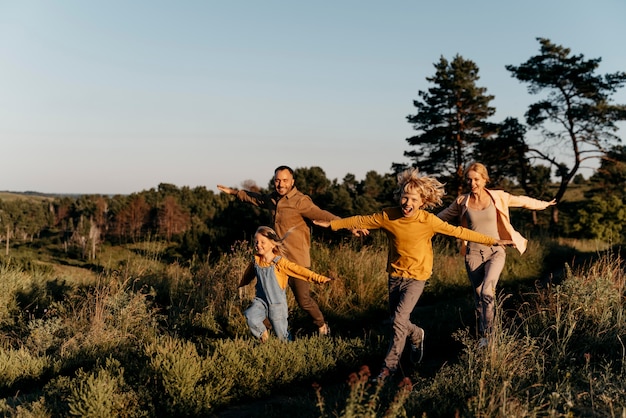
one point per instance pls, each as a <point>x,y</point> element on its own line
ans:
<point>283,167</point>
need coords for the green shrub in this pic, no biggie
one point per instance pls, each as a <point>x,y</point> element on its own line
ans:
<point>102,393</point>
<point>12,282</point>
<point>35,409</point>
<point>19,364</point>
<point>182,375</point>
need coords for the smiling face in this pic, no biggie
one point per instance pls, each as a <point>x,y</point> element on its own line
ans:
<point>475,181</point>
<point>410,201</point>
<point>283,182</point>
<point>263,246</point>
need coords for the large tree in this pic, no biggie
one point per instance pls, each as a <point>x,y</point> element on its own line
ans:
<point>451,118</point>
<point>575,114</point>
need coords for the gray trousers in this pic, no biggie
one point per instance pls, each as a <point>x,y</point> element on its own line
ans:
<point>484,266</point>
<point>403,296</point>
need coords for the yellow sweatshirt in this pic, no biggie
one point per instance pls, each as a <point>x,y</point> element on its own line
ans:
<point>410,239</point>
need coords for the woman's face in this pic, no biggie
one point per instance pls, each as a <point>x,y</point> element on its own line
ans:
<point>475,181</point>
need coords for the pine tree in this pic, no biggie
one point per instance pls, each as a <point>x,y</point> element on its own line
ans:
<point>451,118</point>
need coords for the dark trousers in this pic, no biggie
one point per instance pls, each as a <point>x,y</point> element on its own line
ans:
<point>302,292</point>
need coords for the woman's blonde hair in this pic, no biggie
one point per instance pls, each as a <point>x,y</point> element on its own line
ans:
<point>431,189</point>
<point>480,169</point>
<point>271,235</point>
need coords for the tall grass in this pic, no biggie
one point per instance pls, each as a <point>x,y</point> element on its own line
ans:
<point>145,338</point>
<point>562,356</point>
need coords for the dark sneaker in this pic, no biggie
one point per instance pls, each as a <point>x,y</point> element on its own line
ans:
<point>417,348</point>
<point>483,342</point>
<point>384,374</point>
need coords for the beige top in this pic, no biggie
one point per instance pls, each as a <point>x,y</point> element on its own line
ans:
<point>502,200</point>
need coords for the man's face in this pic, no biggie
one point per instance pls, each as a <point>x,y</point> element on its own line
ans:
<point>283,181</point>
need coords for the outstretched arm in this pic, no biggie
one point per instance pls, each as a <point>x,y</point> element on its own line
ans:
<point>227,190</point>
<point>355,232</point>
<point>504,242</point>
<point>324,224</point>
<point>302,273</point>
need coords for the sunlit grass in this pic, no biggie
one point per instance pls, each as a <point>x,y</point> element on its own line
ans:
<point>135,336</point>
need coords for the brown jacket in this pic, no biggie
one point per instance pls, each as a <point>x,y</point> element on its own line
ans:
<point>290,214</point>
<point>502,201</point>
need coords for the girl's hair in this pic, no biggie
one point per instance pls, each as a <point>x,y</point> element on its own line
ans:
<point>429,188</point>
<point>480,169</point>
<point>270,234</point>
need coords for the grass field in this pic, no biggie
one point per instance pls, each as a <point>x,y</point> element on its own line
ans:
<point>129,335</point>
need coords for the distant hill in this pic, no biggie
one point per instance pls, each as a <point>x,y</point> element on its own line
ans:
<point>31,196</point>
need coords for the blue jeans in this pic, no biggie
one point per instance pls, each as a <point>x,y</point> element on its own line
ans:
<point>484,266</point>
<point>403,296</point>
<point>277,314</point>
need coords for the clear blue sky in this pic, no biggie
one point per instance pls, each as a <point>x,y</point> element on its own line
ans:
<point>119,96</point>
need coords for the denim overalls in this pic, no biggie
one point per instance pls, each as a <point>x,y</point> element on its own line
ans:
<point>270,302</point>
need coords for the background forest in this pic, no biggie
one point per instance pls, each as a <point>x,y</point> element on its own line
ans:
<point>127,305</point>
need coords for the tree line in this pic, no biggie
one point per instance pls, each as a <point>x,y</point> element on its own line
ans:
<point>575,120</point>
<point>197,221</point>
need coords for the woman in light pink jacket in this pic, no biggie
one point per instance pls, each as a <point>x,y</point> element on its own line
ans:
<point>487,211</point>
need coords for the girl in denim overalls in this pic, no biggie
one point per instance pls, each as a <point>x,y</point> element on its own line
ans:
<point>272,271</point>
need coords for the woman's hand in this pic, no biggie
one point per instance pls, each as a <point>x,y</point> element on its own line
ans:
<point>504,242</point>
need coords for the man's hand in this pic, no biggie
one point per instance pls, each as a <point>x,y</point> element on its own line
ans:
<point>226,190</point>
<point>323,224</point>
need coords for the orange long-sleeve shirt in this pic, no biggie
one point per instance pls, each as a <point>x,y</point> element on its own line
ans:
<point>283,268</point>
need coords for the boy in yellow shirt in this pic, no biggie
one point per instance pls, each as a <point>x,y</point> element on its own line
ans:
<point>409,229</point>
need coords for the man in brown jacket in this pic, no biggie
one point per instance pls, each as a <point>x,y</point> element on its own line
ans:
<point>290,211</point>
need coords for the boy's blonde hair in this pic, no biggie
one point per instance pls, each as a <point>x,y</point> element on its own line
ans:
<point>270,234</point>
<point>431,189</point>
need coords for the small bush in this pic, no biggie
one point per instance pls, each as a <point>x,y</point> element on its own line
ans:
<point>102,393</point>
<point>19,365</point>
